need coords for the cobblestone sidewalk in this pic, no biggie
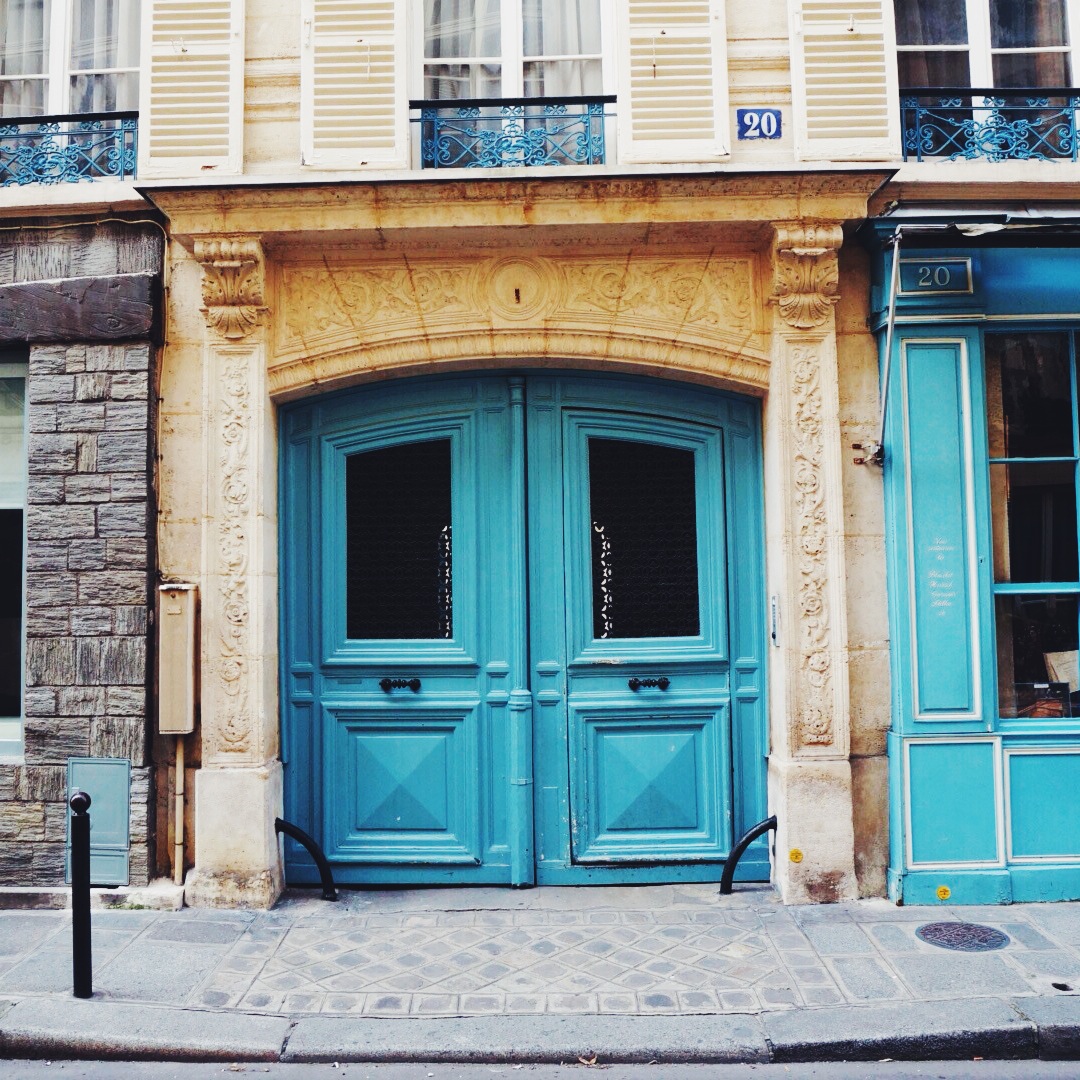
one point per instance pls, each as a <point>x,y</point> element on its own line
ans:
<point>656,950</point>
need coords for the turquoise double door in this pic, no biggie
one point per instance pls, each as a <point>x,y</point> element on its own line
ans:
<point>522,629</point>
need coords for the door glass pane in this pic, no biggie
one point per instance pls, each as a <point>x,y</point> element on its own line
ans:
<point>460,29</point>
<point>642,504</point>
<point>1037,656</point>
<point>1034,512</point>
<point>1022,70</point>
<point>11,604</point>
<point>563,78</point>
<point>1019,24</point>
<point>104,34</point>
<point>1029,399</point>
<point>24,50</point>
<point>933,69</point>
<point>12,441</point>
<point>399,576</point>
<point>448,82</point>
<point>560,27</point>
<point>930,22</point>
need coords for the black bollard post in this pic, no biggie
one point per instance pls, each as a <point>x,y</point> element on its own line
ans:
<point>82,964</point>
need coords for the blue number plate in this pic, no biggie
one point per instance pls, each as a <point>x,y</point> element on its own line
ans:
<point>922,276</point>
<point>758,123</point>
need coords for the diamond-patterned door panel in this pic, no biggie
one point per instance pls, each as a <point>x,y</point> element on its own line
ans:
<point>404,783</point>
<point>651,785</point>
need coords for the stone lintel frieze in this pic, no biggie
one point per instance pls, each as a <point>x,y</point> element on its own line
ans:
<point>233,286</point>
<point>805,272</point>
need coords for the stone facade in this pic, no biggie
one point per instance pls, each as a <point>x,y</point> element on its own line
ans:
<point>731,282</point>
<point>90,551</point>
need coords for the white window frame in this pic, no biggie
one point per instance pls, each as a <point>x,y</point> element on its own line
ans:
<point>512,60</point>
<point>58,70</point>
<point>981,54</point>
<point>11,727</point>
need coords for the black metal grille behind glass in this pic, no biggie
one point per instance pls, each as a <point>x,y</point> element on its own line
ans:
<point>11,605</point>
<point>644,540</point>
<point>398,545</point>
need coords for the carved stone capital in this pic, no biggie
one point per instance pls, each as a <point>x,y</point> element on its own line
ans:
<point>805,272</point>
<point>233,287</point>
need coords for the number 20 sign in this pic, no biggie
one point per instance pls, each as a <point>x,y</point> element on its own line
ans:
<point>758,123</point>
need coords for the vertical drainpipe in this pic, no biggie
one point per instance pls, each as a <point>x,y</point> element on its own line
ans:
<point>519,710</point>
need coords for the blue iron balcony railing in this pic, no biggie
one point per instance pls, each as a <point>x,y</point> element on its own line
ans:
<point>494,133</point>
<point>65,149</point>
<point>990,125</point>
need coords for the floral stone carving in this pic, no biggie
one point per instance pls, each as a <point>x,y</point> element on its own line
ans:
<point>806,275</point>
<point>233,285</point>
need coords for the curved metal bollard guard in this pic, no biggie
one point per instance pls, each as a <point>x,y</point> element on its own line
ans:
<point>739,849</point>
<point>329,891</point>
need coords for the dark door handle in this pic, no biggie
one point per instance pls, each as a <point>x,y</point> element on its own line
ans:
<point>412,684</point>
<point>636,684</point>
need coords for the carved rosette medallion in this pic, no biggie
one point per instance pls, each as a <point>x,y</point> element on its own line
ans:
<point>805,273</point>
<point>811,525</point>
<point>233,285</point>
<point>234,607</point>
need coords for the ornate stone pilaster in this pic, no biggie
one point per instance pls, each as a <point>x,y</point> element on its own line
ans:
<point>810,775</point>
<point>238,788</point>
<point>805,378</point>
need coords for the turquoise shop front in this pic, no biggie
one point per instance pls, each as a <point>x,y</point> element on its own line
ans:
<point>981,450</point>
<point>523,630</point>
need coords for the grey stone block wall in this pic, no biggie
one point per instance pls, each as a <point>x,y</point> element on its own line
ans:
<point>89,560</point>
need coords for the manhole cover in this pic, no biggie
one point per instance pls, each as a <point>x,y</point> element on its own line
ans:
<point>963,937</point>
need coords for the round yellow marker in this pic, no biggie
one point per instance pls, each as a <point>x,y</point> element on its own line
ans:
<point>943,892</point>
<point>795,855</point>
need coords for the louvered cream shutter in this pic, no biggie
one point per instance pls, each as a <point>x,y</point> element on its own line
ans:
<point>191,115</point>
<point>353,107</point>
<point>672,104</point>
<point>843,80</point>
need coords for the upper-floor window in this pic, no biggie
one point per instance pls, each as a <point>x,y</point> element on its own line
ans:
<point>512,48</point>
<point>984,43</point>
<point>68,56</point>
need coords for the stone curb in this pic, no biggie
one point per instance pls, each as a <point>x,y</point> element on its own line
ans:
<point>57,1027</point>
<point>112,1030</point>
<point>528,1038</point>
<point>912,1031</point>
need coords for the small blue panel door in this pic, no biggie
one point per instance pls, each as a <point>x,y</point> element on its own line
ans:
<point>516,648</point>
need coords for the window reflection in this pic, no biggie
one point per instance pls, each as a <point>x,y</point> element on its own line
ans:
<point>1037,656</point>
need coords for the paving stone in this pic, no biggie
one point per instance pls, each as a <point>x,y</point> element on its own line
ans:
<point>203,933</point>
<point>572,1003</point>
<point>955,975</point>
<point>893,938</point>
<point>388,1005</point>
<point>617,1003</point>
<point>833,939</point>
<point>435,1004</point>
<point>148,971</point>
<point>1027,936</point>
<point>1055,964</point>
<point>866,979</point>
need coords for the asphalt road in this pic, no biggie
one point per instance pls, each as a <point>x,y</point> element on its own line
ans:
<point>928,1070</point>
